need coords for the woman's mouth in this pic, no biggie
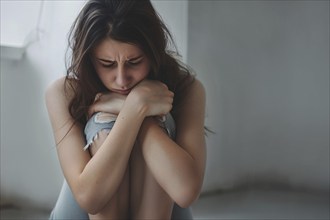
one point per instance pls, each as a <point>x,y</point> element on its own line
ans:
<point>122,92</point>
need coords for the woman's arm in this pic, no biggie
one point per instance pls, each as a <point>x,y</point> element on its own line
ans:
<point>94,180</point>
<point>179,166</point>
<point>107,102</point>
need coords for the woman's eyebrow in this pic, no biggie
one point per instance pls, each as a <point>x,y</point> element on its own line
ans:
<point>130,59</point>
<point>135,58</point>
<point>106,61</point>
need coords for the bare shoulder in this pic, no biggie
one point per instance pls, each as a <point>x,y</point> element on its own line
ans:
<point>197,89</point>
<point>195,95</point>
<point>58,92</point>
<point>191,112</point>
<point>57,99</point>
<point>54,89</point>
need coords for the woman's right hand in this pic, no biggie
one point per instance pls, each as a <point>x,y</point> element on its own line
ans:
<point>109,102</point>
<point>152,97</point>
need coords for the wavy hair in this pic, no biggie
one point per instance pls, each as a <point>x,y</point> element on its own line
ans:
<point>129,21</point>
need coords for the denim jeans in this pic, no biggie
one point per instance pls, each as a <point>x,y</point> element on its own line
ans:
<point>67,207</point>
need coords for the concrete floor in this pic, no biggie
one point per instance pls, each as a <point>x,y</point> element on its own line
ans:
<point>20,214</point>
<point>243,205</point>
<point>262,204</point>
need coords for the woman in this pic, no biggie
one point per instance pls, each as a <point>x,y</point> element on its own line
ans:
<point>125,90</point>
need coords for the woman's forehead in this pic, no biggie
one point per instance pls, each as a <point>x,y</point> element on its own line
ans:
<point>109,48</point>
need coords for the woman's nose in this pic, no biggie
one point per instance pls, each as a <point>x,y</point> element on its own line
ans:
<point>122,77</point>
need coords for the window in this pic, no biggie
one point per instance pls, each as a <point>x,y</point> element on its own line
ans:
<point>19,26</point>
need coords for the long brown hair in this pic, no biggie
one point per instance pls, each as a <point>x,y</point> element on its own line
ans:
<point>130,21</point>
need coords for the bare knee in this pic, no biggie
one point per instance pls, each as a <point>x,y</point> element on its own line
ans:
<point>118,206</point>
<point>148,198</point>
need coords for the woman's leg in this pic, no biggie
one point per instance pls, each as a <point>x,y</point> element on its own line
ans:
<point>118,205</point>
<point>67,207</point>
<point>117,208</point>
<point>148,199</point>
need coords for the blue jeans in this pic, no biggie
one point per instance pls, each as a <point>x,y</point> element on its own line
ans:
<point>67,207</point>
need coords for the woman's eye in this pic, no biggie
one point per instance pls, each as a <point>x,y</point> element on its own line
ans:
<point>133,63</point>
<point>107,65</point>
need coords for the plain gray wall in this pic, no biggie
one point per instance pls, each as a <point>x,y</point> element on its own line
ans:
<point>265,67</point>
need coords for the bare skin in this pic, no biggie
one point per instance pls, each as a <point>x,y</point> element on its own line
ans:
<point>174,170</point>
<point>147,200</point>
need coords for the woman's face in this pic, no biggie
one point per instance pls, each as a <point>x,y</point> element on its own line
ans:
<point>120,66</point>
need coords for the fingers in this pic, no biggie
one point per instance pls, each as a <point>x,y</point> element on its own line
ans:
<point>107,102</point>
<point>91,109</point>
<point>166,102</point>
<point>164,85</point>
<point>97,97</point>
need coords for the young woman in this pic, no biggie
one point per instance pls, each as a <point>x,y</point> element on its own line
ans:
<point>128,119</point>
